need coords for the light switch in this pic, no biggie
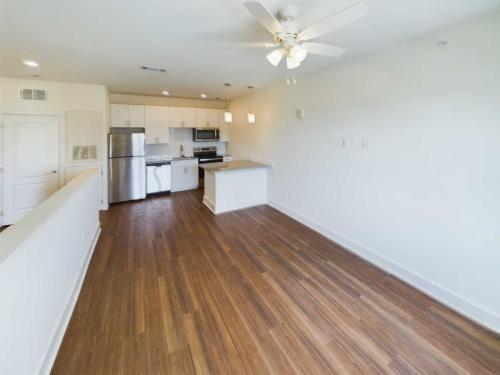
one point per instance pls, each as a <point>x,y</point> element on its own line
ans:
<point>364,144</point>
<point>345,142</point>
<point>300,113</point>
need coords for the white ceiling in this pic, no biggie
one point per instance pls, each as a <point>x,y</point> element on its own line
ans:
<point>106,41</point>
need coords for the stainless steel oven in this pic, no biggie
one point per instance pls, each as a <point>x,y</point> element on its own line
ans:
<point>206,155</point>
<point>205,134</point>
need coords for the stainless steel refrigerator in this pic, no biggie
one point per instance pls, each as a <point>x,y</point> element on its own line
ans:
<point>126,164</point>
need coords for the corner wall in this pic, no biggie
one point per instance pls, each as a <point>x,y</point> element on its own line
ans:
<point>62,97</point>
<point>397,159</point>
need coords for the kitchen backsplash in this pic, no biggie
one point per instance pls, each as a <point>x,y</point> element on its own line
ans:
<point>184,137</point>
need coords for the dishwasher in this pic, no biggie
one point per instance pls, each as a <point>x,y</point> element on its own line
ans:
<point>159,177</point>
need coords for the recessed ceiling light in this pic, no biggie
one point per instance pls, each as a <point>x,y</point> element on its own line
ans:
<point>31,63</point>
<point>165,92</point>
<point>204,96</point>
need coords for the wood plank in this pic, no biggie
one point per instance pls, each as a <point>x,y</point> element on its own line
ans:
<point>173,289</point>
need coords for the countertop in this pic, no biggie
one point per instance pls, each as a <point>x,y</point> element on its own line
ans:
<point>185,158</point>
<point>232,166</point>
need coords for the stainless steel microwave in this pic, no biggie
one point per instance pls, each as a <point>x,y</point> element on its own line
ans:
<point>206,134</point>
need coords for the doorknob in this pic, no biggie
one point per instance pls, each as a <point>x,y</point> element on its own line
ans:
<point>52,172</point>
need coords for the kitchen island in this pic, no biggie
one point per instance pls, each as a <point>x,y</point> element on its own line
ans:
<point>234,185</point>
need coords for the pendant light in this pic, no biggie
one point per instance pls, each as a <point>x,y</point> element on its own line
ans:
<point>250,115</point>
<point>228,116</point>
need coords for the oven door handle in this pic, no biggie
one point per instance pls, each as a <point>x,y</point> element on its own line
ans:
<point>214,160</point>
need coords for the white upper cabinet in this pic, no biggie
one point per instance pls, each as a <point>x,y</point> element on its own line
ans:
<point>201,118</point>
<point>125,115</point>
<point>182,117</point>
<point>207,118</point>
<point>154,118</point>
<point>119,115</point>
<point>157,124</point>
<point>136,115</point>
<point>213,118</point>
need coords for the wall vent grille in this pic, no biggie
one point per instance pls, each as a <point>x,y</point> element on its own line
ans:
<point>32,94</point>
<point>84,152</point>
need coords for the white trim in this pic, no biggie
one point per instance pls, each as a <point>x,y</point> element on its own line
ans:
<point>57,338</point>
<point>472,311</point>
<point>207,202</point>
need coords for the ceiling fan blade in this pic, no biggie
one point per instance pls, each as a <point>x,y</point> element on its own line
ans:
<point>250,45</point>
<point>264,17</point>
<point>335,21</point>
<point>323,49</point>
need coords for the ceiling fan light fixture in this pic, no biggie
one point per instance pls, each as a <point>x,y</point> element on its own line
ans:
<point>298,53</point>
<point>276,56</point>
<point>291,63</point>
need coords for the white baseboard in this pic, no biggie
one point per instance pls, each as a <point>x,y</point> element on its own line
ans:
<point>64,321</point>
<point>472,311</point>
<point>207,202</point>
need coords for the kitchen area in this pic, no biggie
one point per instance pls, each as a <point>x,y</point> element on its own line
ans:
<point>156,149</point>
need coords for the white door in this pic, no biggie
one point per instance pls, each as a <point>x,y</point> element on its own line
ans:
<point>31,163</point>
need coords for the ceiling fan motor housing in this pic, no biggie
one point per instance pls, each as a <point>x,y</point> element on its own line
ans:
<point>288,13</point>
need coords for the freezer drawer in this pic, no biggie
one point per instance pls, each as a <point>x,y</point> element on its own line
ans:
<point>127,179</point>
<point>158,178</point>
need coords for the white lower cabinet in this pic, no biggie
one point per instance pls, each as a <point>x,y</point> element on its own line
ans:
<point>184,174</point>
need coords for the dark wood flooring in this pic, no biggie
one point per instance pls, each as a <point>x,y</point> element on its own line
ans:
<point>173,289</point>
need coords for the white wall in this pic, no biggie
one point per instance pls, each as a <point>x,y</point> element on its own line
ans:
<point>62,97</point>
<point>423,200</point>
<point>118,98</point>
<point>43,260</point>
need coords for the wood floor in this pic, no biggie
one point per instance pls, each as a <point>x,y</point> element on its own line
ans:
<point>173,289</point>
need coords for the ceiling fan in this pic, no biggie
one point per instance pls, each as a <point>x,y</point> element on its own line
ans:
<point>293,41</point>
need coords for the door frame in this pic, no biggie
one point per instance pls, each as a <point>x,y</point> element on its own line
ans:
<point>2,153</point>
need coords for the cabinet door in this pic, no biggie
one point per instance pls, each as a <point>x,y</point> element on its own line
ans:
<point>174,117</point>
<point>119,115</point>
<point>181,117</point>
<point>213,118</point>
<point>156,123</point>
<point>184,174</point>
<point>201,117</point>
<point>136,115</point>
<point>193,175</point>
